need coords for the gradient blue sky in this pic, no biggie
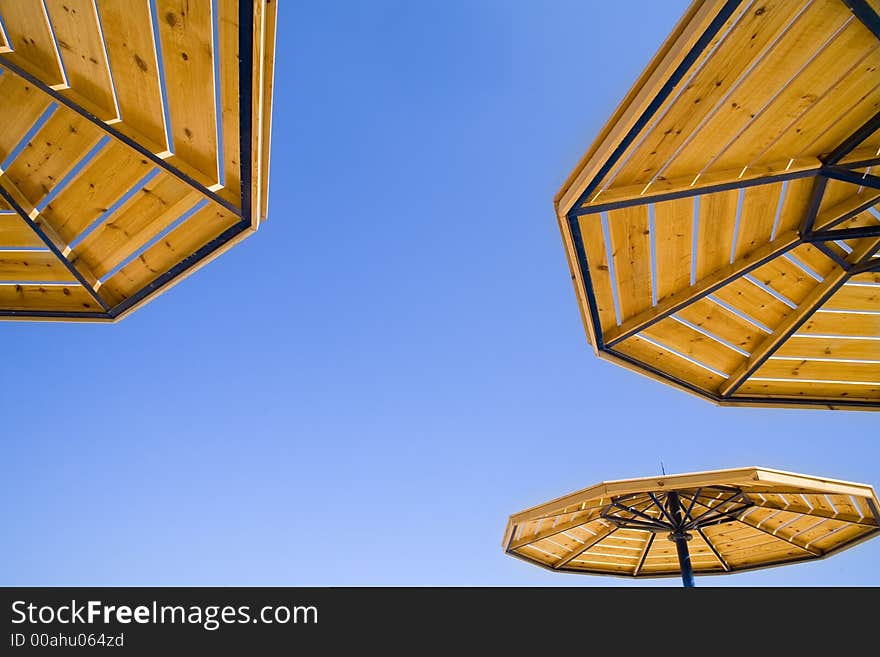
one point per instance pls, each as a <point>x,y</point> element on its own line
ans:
<point>361,393</point>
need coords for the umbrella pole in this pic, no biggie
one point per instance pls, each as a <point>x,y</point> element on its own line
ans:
<point>680,537</point>
<point>684,559</point>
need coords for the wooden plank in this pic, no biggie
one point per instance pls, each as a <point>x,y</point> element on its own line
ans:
<point>22,107</point>
<point>186,32</point>
<point>227,21</point>
<point>842,324</point>
<point>758,213</point>
<point>96,187</point>
<point>33,267</point>
<point>694,344</point>
<point>813,370</point>
<point>52,152</point>
<point>724,276</point>
<point>801,390</point>
<point>128,34</point>
<point>840,194</point>
<point>180,243</point>
<point>858,108</point>
<point>786,278</point>
<point>47,297</point>
<point>848,49</point>
<point>794,205</point>
<point>784,59</point>
<point>600,274</point>
<point>799,346</point>
<point>717,220</point>
<point>78,35</point>
<point>159,203</point>
<point>824,115</point>
<point>570,556</point>
<point>631,247</point>
<point>552,529</point>
<point>666,361</point>
<point>264,118</point>
<point>719,321</point>
<point>16,233</point>
<point>754,302</point>
<point>813,258</point>
<point>706,90</point>
<point>855,297</point>
<point>829,543</point>
<point>34,50</point>
<point>673,236</point>
<point>784,329</point>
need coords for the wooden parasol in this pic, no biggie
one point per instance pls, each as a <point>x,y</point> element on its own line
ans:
<point>717,522</point>
<point>134,147</point>
<point>723,229</point>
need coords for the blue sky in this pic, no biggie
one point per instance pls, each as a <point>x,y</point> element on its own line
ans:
<point>361,393</point>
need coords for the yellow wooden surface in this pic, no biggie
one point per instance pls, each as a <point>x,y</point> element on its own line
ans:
<point>118,72</point>
<point>776,89</point>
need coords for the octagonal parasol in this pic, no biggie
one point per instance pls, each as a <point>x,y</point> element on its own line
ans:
<point>716,522</point>
<point>723,229</point>
<point>134,147</point>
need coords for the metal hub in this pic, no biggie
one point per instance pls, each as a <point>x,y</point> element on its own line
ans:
<point>677,512</point>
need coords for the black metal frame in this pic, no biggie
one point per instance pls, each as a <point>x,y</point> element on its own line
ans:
<point>245,98</point>
<point>830,169</point>
<point>672,512</point>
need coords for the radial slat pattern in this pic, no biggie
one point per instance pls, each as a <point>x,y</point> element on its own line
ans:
<point>741,519</point>
<point>129,127</point>
<point>732,204</point>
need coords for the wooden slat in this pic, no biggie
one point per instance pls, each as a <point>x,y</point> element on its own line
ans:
<point>801,390</point>
<point>786,278</point>
<point>27,27</point>
<point>726,64</point>
<point>855,297</point>
<point>858,108</point>
<point>783,330</point>
<point>181,242</point>
<point>694,344</point>
<point>78,34</point>
<point>666,361</point>
<point>227,18</point>
<point>824,116</point>
<point>128,34</point>
<point>806,348</point>
<point>754,302</point>
<point>156,206</point>
<point>842,324</point>
<point>758,213</point>
<point>631,246</point>
<point>673,235</point>
<point>16,233</point>
<point>819,371</point>
<point>47,297</point>
<point>52,152</point>
<point>717,220</point>
<point>725,275</point>
<point>830,542</point>
<point>784,60</point>
<point>813,258</point>
<point>186,31</point>
<point>719,321</point>
<point>33,267</point>
<point>22,105</point>
<point>96,187</point>
<point>848,49</point>
<point>600,274</point>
